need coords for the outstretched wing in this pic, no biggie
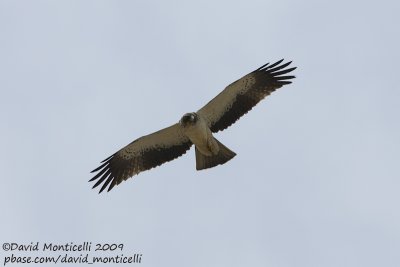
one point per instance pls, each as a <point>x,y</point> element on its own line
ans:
<point>142,154</point>
<point>241,96</point>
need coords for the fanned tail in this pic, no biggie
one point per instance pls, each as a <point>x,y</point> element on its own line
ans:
<point>223,156</point>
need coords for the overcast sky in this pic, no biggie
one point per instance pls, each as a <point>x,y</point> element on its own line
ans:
<point>316,179</point>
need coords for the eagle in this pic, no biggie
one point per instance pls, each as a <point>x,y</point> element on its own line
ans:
<point>195,128</point>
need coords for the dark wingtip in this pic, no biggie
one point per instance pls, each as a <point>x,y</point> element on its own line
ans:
<point>265,65</point>
<point>107,158</point>
<point>94,178</point>
<point>111,186</point>
<point>275,64</point>
<point>279,61</point>
<point>100,167</point>
<point>109,179</point>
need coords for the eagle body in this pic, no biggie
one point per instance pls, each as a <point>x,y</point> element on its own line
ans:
<point>209,151</point>
<point>195,128</point>
<point>198,132</point>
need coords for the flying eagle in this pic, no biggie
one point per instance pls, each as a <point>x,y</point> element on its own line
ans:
<point>195,128</point>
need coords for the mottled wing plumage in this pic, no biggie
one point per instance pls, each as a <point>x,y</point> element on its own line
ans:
<point>241,96</point>
<point>142,154</point>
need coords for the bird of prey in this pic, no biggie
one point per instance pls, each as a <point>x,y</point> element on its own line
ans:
<point>195,128</point>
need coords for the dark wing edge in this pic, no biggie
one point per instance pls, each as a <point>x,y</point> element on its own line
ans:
<point>267,79</point>
<point>117,168</point>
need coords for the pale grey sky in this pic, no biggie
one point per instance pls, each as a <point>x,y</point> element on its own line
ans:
<point>316,180</point>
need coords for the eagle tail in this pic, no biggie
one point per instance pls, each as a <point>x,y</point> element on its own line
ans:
<point>223,156</point>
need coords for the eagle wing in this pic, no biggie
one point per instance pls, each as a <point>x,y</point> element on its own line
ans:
<point>142,154</point>
<point>242,95</point>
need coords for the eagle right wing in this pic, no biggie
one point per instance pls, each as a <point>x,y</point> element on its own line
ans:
<point>142,154</point>
<point>242,95</point>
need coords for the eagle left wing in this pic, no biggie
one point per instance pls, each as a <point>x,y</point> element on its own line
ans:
<point>242,95</point>
<point>142,154</point>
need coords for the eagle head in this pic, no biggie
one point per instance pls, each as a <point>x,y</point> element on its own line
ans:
<point>188,119</point>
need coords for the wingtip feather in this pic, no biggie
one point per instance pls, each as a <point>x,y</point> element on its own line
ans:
<point>100,167</point>
<point>107,158</point>
<point>105,184</point>
<point>275,64</point>
<point>265,65</point>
